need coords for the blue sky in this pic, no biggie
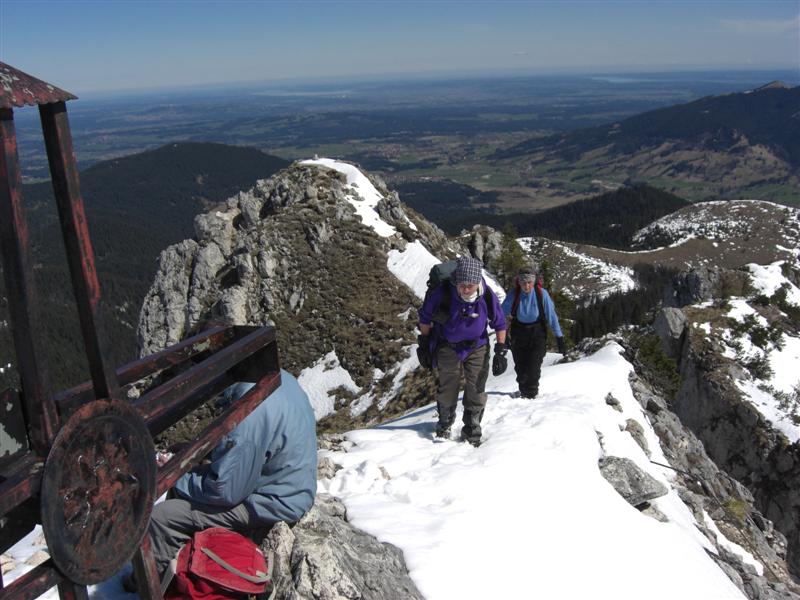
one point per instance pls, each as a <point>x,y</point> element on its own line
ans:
<point>96,45</point>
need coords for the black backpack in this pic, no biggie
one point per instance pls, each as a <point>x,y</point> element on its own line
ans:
<point>441,274</point>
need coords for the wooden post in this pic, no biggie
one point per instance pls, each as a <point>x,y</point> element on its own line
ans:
<point>64,174</point>
<point>39,405</point>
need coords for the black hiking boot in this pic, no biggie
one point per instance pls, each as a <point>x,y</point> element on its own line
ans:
<point>474,440</point>
<point>443,432</point>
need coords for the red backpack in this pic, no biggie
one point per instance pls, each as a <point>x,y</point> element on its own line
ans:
<point>219,564</point>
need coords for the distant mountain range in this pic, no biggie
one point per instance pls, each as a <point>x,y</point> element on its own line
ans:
<point>738,145</point>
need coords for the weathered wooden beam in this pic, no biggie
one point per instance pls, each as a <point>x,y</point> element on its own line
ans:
<point>208,341</point>
<point>80,255</point>
<point>42,418</point>
<point>33,584</point>
<point>165,397</point>
<point>144,566</point>
<point>22,483</point>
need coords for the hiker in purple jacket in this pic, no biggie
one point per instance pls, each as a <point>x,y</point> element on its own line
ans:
<point>459,344</point>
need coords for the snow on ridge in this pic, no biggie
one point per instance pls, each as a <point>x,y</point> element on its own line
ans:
<point>614,278</point>
<point>699,220</point>
<point>364,197</point>
<point>536,480</point>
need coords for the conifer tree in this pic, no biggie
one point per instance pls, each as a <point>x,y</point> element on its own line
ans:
<point>512,257</point>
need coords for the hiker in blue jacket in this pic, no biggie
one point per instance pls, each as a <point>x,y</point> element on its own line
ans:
<point>530,314</point>
<point>262,472</point>
<point>459,344</point>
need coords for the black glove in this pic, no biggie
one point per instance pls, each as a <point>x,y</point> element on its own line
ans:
<point>424,351</point>
<point>500,363</point>
<point>562,347</point>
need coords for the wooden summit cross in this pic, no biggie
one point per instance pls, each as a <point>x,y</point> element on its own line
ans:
<point>85,469</point>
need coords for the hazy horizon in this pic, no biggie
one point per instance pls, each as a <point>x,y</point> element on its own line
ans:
<point>151,45</point>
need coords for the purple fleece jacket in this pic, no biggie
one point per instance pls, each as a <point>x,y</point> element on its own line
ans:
<point>467,320</point>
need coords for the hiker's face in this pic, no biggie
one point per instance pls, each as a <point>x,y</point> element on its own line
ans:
<point>526,286</point>
<point>467,289</point>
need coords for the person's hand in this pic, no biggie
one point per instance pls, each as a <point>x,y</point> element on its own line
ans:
<point>562,347</point>
<point>424,351</point>
<point>500,363</point>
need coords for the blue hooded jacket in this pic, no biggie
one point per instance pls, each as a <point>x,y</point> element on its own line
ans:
<point>268,462</point>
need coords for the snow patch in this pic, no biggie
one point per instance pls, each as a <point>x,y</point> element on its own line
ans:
<point>318,381</point>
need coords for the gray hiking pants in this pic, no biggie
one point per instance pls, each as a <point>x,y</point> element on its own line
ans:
<point>175,521</point>
<point>475,369</point>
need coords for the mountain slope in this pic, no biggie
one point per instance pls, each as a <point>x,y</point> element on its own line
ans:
<point>310,250</point>
<point>724,234</point>
<point>741,144</point>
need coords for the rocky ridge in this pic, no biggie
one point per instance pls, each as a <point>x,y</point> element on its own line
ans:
<point>727,397</point>
<point>293,252</point>
<point>712,234</point>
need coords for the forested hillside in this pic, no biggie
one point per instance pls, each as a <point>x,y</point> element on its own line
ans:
<point>136,206</point>
<point>766,116</point>
<point>609,219</point>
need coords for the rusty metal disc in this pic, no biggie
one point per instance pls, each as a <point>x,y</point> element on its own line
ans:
<point>98,489</point>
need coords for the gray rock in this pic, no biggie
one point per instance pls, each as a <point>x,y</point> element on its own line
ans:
<point>164,315</point>
<point>485,244</point>
<point>739,439</point>
<point>670,325</point>
<point>288,252</point>
<point>613,402</point>
<point>323,557</point>
<point>633,427</point>
<point>705,283</point>
<point>631,482</point>
<point>216,226</point>
<point>250,205</point>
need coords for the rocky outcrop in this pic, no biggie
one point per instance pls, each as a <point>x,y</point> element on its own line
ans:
<point>739,439</point>
<point>631,482</point>
<point>323,557</point>
<point>705,283</point>
<point>722,506</point>
<point>484,243</point>
<point>670,326</point>
<point>294,252</point>
<point>735,434</point>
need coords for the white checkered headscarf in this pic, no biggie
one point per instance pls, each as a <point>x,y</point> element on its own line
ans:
<point>468,270</point>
